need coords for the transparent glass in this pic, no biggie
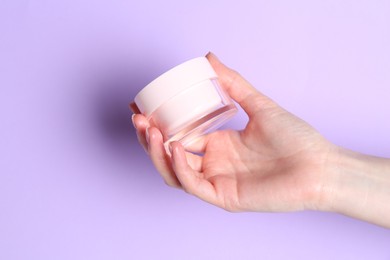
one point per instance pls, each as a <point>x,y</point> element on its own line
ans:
<point>197,110</point>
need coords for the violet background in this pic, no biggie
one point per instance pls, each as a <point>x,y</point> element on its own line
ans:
<point>75,184</point>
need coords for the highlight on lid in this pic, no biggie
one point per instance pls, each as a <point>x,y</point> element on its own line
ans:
<point>186,102</point>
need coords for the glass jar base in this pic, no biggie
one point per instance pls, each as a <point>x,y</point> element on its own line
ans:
<point>204,125</point>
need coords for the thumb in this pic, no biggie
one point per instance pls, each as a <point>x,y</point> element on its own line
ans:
<point>238,88</point>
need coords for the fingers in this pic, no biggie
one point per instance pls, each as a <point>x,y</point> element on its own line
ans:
<point>238,88</point>
<point>159,157</point>
<point>151,140</point>
<point>192,181</point>
<point>141,123</point>
<point>183,169</point>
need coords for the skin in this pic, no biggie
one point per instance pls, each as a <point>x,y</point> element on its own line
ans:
<point>277,163</point>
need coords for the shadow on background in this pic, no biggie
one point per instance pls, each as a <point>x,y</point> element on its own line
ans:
<point>115,86</point>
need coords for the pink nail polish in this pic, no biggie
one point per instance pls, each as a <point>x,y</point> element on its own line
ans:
<point>186,102</point>
<point>132,119</point>
<point>147,137</point>
<point>170,148</point>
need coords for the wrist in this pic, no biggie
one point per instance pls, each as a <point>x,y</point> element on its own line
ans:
<point>327,176</point>
<point>357,185</point>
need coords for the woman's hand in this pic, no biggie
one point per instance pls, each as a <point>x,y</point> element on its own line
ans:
<point>275,164</point>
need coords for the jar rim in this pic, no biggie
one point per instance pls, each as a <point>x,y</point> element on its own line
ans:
<point>173,82</point>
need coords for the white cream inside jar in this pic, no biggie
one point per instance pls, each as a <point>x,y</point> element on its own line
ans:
<point>186,102</point>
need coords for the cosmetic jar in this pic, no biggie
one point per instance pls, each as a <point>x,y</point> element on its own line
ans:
<point>186,102</point>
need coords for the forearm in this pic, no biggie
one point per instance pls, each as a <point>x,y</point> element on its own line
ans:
<point>360,187</point>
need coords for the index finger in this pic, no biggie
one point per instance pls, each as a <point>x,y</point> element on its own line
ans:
<point>239,89</point>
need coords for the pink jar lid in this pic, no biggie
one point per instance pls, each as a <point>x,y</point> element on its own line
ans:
<point>172,83</point>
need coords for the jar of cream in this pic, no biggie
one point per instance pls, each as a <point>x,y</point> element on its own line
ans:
<point>186,102</point>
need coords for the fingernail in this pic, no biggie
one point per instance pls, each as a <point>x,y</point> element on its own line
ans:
<point>133,107</point>
<point>211,55</point>
<point>170,148</point>
<point>147,135</point>
<point>132,119</point>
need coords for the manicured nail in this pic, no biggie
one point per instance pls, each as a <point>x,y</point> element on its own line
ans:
<point>213,56</point>
<point>170,148</point>
<point>147,135</point>
<point>132,119</point>
<point>133,107</point>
